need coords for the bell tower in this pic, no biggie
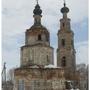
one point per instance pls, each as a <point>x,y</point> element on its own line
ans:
<point>37,49</point>
<point>65,50</point>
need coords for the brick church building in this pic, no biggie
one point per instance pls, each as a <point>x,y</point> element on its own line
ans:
<point>37,57</point>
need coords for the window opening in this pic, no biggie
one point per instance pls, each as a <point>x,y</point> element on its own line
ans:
<point>63,42</point>
<point>39,37</point>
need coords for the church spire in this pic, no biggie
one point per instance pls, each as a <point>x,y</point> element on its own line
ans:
<point>37,14</point>
<point>64,10</point>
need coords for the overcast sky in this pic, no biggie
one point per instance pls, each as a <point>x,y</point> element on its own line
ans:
<point>17,16</point>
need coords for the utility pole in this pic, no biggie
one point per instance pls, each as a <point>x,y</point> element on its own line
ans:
<point>4,81</point>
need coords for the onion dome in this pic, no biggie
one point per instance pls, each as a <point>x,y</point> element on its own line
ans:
<point>37,10</point>
<point>65,9</point>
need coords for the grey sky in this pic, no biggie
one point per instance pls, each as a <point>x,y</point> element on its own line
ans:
<point>17,16</point>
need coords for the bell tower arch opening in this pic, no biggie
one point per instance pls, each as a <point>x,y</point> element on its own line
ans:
<point>63,62</point>
<point>63,42</point>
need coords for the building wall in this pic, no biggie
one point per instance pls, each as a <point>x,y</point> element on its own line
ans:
<point>39,55</point>
<point>66,45</point>
<point>31,37</point>
<point>67,50</point>
<point>40,79</point>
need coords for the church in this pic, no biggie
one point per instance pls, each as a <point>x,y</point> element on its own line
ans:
<point>36,71</point>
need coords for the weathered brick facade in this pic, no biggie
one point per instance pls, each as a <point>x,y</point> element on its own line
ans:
<point>45,78</point>
<point>65,51</point>
<point>37,53</point>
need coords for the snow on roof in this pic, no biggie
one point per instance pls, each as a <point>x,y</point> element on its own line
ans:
<point>50,66</point>
<point>75,89</point>
<point>34,66</point>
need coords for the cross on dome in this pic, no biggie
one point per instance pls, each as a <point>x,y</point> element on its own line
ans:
<point>65,9</point>
<point>37,1</point>
<point>64,3</point>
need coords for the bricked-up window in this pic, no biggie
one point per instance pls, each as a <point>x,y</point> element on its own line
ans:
<point>47,38</point>
<point>63,61</point>
<point>39,37</point>
<point>63,42</point>
<point>72,43</point>
<point>21,85</point>
<point>47,59</point>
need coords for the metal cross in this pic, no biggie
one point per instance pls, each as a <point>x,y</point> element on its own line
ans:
<point>64,2</point>
<point>37,1</point>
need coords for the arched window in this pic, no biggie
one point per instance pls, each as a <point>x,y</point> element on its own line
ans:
<point>39,37</point>
<point>63,42</point>
<point>63,61</point>
<point>63,24</point>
